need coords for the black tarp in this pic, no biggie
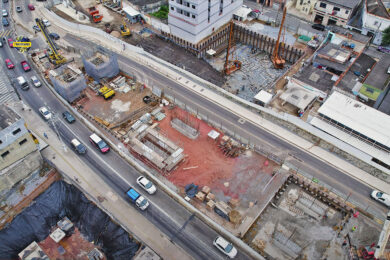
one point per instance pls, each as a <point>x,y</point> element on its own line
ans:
<point>60,200</point>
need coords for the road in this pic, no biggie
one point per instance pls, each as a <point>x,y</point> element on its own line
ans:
<point>194,236</point>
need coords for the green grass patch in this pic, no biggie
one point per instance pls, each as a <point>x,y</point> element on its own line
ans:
<point>370,91</point>
<point>162,13</point>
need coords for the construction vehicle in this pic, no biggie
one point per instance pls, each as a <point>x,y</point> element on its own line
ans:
<point>125,31</point>
<point>106,92</point>
<point>231,66</point>
<point>54,56</point>
<point>276,59</point>
<point>94,14</point>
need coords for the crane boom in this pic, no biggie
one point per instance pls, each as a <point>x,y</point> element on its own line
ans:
<point>55,57</point>
<point>276,59</point>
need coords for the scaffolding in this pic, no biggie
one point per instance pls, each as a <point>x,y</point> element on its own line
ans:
<point>100,63</point>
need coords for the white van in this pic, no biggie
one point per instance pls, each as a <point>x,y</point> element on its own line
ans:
<point>23,83</point>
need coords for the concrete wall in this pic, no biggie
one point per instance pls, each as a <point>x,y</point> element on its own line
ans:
<point>20,170</point>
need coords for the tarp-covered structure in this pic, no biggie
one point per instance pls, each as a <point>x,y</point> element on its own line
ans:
<point>108,68</point>
<point>60,200</point>
<point>69,86</point>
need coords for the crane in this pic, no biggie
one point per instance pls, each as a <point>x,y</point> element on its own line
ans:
<point>54,56</point>
<point>276,59</point>
<point>231,66</point>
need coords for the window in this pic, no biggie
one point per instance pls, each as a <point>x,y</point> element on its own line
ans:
<point>3,155</point>
<point>172,8</point>
<point>187,14</point>
<point>23,141</point>
<point>193,6</point>
<point>16,131</point>
<point>1,142</point>
<point>346,11</point>
<point>322,5</point>
<point>188,4</point>
<point>301,2</point>
<point>336,8</point>
<point>193,16</point>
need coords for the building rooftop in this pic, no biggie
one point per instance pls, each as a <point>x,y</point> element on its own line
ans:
<point>358,116</point>
<point>358,71</point>
<point>334,53</point>
<point>299,97</point>
<point>317,78</point>
<point>33,252</point>
<point>345,32</point>
<point>347,3</point>
<point>7,117</point>
<point>378,76</point>
<point>143,2</point>
<point>376,7</point>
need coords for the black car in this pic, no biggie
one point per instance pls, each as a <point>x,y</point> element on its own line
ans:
<point>68,117</point>
<point>318,27</point>
<point>5,21</point>
<point>54,36</point>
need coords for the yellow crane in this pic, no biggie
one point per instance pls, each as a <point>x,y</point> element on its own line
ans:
<point>54,56</point>
<point>125,31</point>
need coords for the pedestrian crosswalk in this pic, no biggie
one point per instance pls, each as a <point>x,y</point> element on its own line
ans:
<point>5,33</point>
<point>7,92</point>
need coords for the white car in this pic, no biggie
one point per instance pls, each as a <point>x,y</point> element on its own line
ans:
<point>46,22</point>
<point>146,185</point>
<point>381,197</point>
<point>225,247</point>
<point>5,13</point>
<point>45,113</point>
<point>36,81</point>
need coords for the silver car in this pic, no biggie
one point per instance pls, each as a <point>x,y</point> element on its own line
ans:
<point>36,81</point>
<point>46,114</point>
<point>5,13</point>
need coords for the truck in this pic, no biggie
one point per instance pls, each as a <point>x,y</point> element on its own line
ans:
<point>94,14</point>
<point>137,198</point>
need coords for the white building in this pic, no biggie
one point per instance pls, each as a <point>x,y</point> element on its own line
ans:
<point>375,19</point>
<point>334,12</point>
<point>305,6</point>
<point>193,20</point>
<point>358,125</point>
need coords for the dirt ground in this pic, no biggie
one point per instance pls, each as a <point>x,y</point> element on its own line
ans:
<point>288,231</point>
<point>115,110</point>
<point>206,165</point>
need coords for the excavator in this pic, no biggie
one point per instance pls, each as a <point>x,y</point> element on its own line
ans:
<point>276,59</point>
<point>125,31</point>
<point>54,56</point>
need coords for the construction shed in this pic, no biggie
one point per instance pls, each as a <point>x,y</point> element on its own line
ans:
<point>100,64</point>
<point>68,82</point>
<point>133,15</point>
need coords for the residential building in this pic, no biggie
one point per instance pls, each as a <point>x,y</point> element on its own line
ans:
<point>305,6</point>
<point>19,155</point>
<point>375,19</point>
<point>334,12</point>
<point>193,21</point>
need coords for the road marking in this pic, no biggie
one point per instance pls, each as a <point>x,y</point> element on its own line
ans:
<point>241,121</point>
<point>5,33</point>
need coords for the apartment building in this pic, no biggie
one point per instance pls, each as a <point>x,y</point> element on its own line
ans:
<point>334,12</point>
<point>375,19</point>
<point>305,6</point>
<point>194,20</point>
<point>19,155</point>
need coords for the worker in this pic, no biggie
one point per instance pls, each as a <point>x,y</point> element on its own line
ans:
<point>45,135</point>
<point>353,228</point>
<point>344,243</point>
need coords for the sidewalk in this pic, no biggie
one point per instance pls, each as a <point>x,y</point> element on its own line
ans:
<point>69,164</point>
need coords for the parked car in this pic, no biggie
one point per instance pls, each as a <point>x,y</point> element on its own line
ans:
<point>10,42</point>
<point>225,247</point>
<point>25,66</point>
<point>46,114</point>
<point>54,36</point>
<point>5,22</point>
<point>68,117</point>
<point>19,9</point>
<point>78,146</point>
<point>5,13</point>
<point>5,1</point>
<point>31,7</point>
<point>36,28</point>
<point>1,44</point>
<point>318,27</point>
<point>36,81</point>
<point>146,185</point>
<point>99,143</point>
<point>383,49</point>
<point>381,197</point>
<point>9,64</point>
<point>46,22</point>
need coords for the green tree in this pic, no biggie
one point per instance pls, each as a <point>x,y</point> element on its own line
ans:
<point>386,36</point>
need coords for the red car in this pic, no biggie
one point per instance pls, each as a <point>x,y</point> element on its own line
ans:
<point>25,66</point>
<point>31,7</point>
<point>9,64</point>
<point>10,42</point>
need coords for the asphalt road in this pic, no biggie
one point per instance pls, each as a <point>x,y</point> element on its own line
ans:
<point>354,189</point>
<point>177,223</point>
